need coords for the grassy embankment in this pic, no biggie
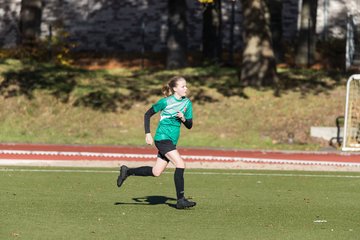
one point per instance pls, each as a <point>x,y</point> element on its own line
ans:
<point>44,103</point>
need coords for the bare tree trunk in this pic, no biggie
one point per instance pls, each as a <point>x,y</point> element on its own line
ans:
<point>30,21</point>
<point>275,7</point>
<point>177,39</point>
<point>305,51</point>
<point>212,38</point>
<point>258,66</point>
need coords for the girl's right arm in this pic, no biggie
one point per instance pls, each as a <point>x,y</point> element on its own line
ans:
<point>149,113</point>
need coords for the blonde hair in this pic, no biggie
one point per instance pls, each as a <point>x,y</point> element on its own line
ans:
<point>168,88</point>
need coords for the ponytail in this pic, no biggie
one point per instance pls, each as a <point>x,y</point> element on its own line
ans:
<point>168,88</point>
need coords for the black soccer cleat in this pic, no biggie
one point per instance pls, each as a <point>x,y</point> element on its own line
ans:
<point>122,176</point>
<point>183,203</point>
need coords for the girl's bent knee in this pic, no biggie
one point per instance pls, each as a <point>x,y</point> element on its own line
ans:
<point>180,165</point>
<point>157,174</point>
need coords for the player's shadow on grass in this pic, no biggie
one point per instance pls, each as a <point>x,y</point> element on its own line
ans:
<point>150,200</point>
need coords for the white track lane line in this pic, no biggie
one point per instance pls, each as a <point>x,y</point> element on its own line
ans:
<point>189,172</point>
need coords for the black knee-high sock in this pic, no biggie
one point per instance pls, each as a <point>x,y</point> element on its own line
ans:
<point>140,171</point>
<point>179,182</point>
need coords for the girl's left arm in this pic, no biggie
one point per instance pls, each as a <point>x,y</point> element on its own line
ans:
<point>188,123</point>
<point>189,116</point>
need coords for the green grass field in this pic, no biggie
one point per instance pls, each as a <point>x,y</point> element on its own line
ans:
<point>55,203</point>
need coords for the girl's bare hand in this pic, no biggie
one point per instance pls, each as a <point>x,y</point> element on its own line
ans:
<point>181,116</point>
<point>149,139</point>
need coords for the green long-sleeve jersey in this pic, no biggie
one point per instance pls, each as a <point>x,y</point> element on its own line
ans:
<point>169,124</point>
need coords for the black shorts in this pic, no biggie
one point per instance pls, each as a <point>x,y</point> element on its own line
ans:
<point>164,146</point>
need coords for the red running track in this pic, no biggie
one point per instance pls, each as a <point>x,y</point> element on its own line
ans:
<point>17,152</point>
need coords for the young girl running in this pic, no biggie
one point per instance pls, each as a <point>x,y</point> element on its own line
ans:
<point>174,109</point>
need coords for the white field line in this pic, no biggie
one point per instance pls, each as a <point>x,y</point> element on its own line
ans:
<point>188,173</point>
<point>192,157</point>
